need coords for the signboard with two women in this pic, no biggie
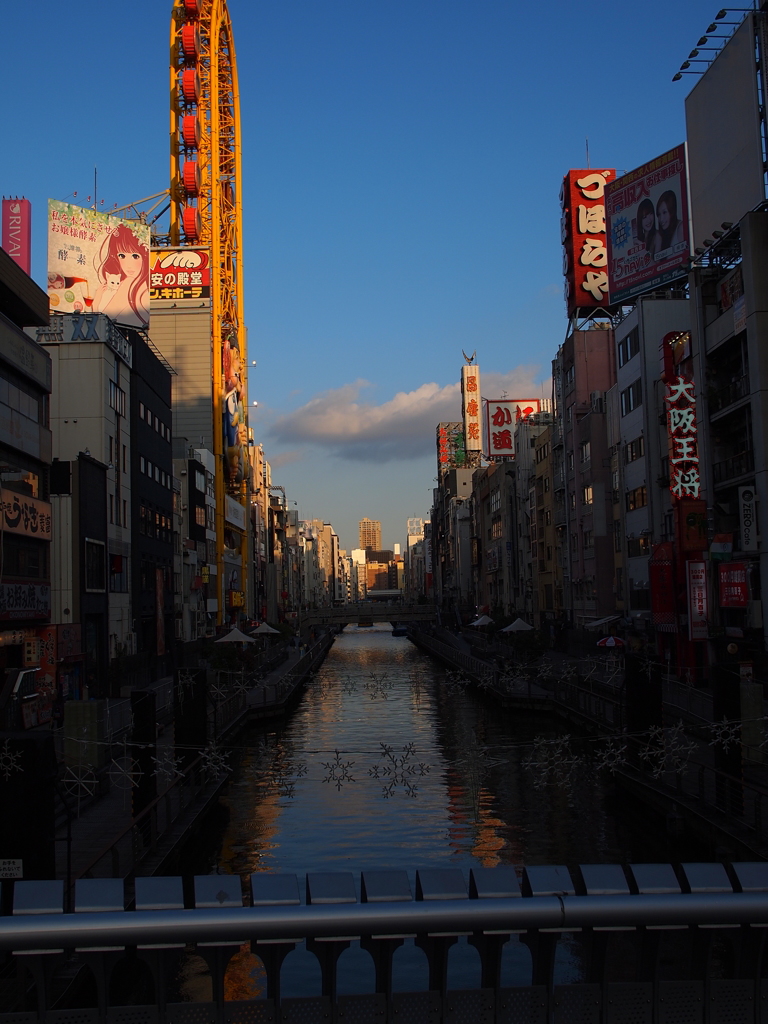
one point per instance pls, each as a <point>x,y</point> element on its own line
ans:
<point>648,226</point>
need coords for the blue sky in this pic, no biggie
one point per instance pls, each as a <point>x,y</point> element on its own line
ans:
<point>401,168</point>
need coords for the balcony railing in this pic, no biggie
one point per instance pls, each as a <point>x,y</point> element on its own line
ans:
<point>738,465</point>
<point>600,925</point>
<point>731,393</point>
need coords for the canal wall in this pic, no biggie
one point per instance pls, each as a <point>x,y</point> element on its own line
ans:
<point>694,798</point>
<point>104,840</point>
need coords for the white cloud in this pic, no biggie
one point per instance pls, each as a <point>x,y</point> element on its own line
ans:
<point>401,428</point>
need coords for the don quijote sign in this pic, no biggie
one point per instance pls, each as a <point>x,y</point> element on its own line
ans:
<point>585,249</point>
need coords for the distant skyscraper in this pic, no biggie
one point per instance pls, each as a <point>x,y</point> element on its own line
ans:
<point>370,534</point>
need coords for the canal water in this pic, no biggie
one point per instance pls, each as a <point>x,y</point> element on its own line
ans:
<point>390,761</point>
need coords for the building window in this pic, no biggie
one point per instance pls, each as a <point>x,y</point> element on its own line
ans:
<point>618,535</point>
<point>141,410</point>
<point>118,574</point>
<point>629,346</point>
<point>95,566</point>
<point>631,397</point>
<point>637,498</point>
<point>586,495</point>
<point>199,515</point>
<point>589,539</point>
<point>635,449</point>
<point>638,547</point>
<point>142,464</point>
<point>546,484</point>
<point>116,398</point>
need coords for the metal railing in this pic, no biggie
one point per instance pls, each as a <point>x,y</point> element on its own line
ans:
<point>737,465</point>
<point>590,915</point>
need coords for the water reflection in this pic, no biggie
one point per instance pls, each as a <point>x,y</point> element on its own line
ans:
<point>387,763</point>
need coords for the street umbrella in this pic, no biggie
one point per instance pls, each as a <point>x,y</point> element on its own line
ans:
<point>484,620</point>
<point>610,641</point>
<point>263,628</point>
<point>235,636</point>
<point>518,626</point>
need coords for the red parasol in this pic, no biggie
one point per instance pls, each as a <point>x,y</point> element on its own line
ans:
<point>610,641</point>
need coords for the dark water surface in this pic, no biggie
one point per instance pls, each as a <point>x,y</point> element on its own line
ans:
<point>388,763</point>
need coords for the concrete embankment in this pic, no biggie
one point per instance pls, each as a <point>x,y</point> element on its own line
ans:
<point>105,840</point>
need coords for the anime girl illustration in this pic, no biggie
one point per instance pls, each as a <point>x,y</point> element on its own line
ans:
<point>122,267</point>
<point>234,426</point>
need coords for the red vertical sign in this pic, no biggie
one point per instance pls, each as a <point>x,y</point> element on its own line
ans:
<point>585,251</point>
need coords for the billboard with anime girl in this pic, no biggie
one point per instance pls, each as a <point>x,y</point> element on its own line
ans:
<point>235,428</point>
<point>97,263</point>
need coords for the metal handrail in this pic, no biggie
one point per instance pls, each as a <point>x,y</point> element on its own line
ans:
<point>491,915</point>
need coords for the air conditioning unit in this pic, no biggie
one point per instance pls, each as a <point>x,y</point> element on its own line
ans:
<point>597,401</point>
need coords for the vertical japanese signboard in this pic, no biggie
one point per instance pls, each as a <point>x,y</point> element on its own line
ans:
<point>747,519</point>
<point>17,231</point>
<point>471,407</point>
<point>697,600</point>
<point>734,589</point>
<point>98,264</point>
<point>501,417</point>
<point>680,400</point>
<point>585,254</point>
<point>647,220</point>
<point>450,446</point>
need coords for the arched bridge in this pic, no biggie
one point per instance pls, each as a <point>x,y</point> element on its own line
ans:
<point>369,611</point>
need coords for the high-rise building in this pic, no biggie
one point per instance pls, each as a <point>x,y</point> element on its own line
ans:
<point>370,533</point>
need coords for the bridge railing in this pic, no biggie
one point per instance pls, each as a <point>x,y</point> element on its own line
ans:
<point>647,942</point>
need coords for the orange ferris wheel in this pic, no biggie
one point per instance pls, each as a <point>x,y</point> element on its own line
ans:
<point>205,211</point>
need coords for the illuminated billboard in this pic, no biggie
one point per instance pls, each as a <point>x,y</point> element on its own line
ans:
<point>182,276</point>
<point>585,257</point>
<point>501,417</point>
<point>97,263</point>
<point>648,230</point>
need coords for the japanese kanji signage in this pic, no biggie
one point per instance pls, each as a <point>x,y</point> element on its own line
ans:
<point>25,601</point>
<point>471,407</point>
<point>501,417</point>
<point>680,400</point>
<point>734,589</point>
<point>450,446</point>
<point>97,264</point>
<point>647,220</point>
<point>182,276</point>
<point>585,255</point>
<point>23,514</point>
<point>697,600</point>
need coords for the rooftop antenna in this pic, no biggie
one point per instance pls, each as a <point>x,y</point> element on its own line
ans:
<point>587,144</point>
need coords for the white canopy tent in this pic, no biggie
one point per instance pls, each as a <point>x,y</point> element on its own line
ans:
<point>518,626</point>
<point>263,628</point>
<point>235,636</point>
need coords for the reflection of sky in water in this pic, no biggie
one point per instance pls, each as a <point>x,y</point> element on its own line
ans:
<point>475,803</point>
